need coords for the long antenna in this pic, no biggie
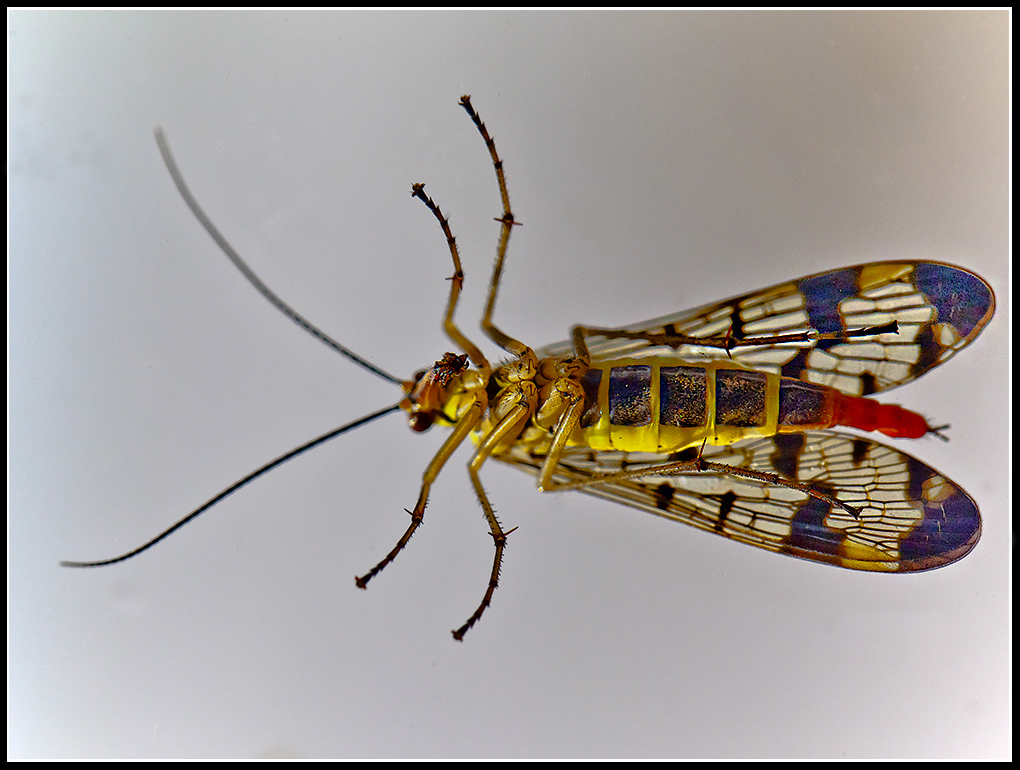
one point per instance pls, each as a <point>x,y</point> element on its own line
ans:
<point>247,272</point>
<point>234,487</point>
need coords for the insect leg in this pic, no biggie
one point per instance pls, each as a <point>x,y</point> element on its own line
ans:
<point>699,465</point>
<point>674,339</point>
<point>507,427</point>
<point>456,282</point>
<point>465,424</point>
<point>567,395</point>
<point>505,341</point>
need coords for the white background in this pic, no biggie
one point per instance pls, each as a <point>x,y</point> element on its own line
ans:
<point>658,161</point>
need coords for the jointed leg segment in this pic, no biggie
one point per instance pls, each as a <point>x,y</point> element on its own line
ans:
<point>699,465</point>
<point>505,427</point>
<point>505,341</point>
<point>456,282</point>
<point>674,339</point>
<point>517,402</point>
<point>464,427</point>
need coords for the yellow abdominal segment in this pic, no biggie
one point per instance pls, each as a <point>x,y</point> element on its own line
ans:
<point>665,405</point>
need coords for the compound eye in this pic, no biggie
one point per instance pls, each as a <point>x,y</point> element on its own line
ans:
<point>421,422</point>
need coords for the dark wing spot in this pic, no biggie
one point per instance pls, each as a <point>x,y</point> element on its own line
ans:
<point>664,496</point>
<point>725,506</point>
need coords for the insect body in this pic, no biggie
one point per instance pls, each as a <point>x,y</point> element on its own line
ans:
<point>720,417</point>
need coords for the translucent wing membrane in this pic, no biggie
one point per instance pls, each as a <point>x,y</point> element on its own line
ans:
<point>819,495</point>
<point>910,517</point>
<point>939,309</point>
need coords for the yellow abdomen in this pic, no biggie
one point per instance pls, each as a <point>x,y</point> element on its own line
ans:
<point>666,404</point>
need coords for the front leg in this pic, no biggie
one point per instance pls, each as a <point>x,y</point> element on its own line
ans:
<point>674,339</point>
<point>563,406</point>
<point>515,404</point>
<point>467,422</point>
<point>700,465</point>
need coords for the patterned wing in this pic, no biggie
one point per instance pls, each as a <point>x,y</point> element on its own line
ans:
<point>940,309</point>
<point>911,517</point>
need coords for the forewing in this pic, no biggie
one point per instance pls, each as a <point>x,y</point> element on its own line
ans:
<point>939,308</point>
<point>911,518</point>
